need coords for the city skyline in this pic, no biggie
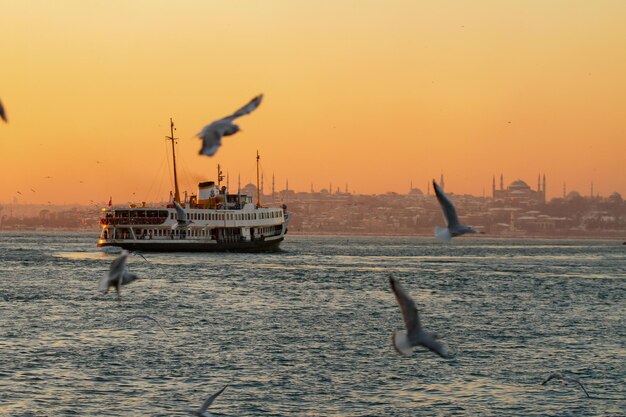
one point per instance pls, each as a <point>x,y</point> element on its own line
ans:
<point>375,96</point>
<point>499,188</point>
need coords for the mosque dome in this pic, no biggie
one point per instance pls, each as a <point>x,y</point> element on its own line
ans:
<point>518,185</point>
<point>572,195</point>
<point>416,191</point>
<point>616,197</point>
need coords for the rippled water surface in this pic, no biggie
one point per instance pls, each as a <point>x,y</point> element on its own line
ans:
<point>307,332</point>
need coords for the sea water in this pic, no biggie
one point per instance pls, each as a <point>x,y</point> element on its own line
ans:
<point>307,331</point>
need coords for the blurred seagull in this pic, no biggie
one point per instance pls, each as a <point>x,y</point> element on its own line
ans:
<point>181,217</point>
<point>566,381</point>
<point>211,134</point>
<point>146,318</point>
<point>3,115</point>
<point>405,341</point>
<point>118,275</point>
<point>202,411</point>
<point>454,227</point>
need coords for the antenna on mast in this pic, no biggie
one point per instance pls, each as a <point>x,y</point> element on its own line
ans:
<point>220,177</point>
<point>173,139</point>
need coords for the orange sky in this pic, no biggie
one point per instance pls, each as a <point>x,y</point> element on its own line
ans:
<point>373,94</point>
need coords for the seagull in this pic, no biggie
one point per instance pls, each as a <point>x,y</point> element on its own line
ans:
<point>202,411</point>
<point>146,318</point>
<point>181,217</point>
<point>136,252</point>
<point>566,381</point>
<point>118,275</point>
<point>3,115</point>
<point>211,134</point>
<point>405,341</point>
<point>454,227</point>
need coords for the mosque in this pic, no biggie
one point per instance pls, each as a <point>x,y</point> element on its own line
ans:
<point>520,192</point>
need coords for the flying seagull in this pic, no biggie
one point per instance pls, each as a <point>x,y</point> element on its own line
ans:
<point>454,227</point>
<point>136,252</point>
<point>118,275</point>
<point>146,318</point>
<point>566,381</point>
<point>211,134</point>
<point>3,115</point>
<point>181,217</point>
<point>405,341</point>
<point>202,411</point>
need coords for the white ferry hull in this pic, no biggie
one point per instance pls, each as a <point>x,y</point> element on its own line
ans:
<point>266,245</point>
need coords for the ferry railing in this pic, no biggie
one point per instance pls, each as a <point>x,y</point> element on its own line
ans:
<point>114,221</point>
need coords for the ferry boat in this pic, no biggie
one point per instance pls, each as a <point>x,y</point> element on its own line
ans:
<point>215,221</point>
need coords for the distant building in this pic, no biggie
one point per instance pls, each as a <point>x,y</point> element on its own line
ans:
<point>519,192</point>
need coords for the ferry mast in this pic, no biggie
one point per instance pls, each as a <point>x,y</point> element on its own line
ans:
<point>172,138</point>
<point>258,190</point>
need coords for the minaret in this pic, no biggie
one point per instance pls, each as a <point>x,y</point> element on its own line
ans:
<point>564,190</point>
<point>227,181</point>
<point>591,190</point>
<point>330,188</point>
<point>411,189</point>
<point>443,185</point>
<point>346,188</point>
<point>312,188</point>
<point>493,187</point>
<point>501,182</point>
<point>427,187</point>
<point>539,183</point>
<point>544,188</point>
<point>239,183</point>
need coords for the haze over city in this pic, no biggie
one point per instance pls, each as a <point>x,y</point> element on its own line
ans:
<point>371,94</point>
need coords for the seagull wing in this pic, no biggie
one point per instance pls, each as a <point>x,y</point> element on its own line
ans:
<point>446,205</point>
<point>408,307</point>
<point>181,215</point>
<point>116,271</point>
<point>103,285</point>
<point>3,115</point>
<point>248,108</point>
<point>146,317</point>
<point>118,264</point>
<point>210,400</point>
<point>140,254</point>
<point>583,387</point>
<point>439,348</point>
<point>551,377</point>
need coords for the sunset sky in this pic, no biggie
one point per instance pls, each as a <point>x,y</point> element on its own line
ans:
<point>372,94</point>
